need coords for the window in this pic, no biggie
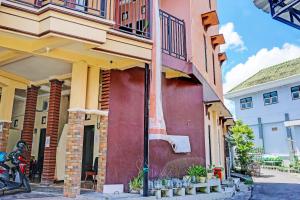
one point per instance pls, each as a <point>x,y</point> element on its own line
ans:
<point>296,92</point>
<point>214,69</point>
<point>271,98</point>
<point>246,103</point>
<point>45,105</point>
<point>205,52</point>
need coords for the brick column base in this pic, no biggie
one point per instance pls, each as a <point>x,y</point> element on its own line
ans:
<point>102,153</point>
<point>74,154</point>
<point>4,131</point>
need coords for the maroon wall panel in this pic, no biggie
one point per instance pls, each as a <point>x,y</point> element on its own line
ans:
<point>184,114</point>
<point>125,125</point>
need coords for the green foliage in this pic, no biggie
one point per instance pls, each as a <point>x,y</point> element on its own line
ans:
<point>137,182</point>
<point>197,170</point>
<point>248,182</point>
<point>272,160</point>
<point>242,138</point>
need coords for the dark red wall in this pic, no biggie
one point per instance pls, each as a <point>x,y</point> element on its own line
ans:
<point>184,115</point>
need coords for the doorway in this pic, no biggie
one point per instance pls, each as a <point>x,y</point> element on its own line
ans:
<point>40,159</point>
<point>88,150</point>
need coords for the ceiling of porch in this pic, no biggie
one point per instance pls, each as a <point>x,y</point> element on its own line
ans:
<point>35,68</point>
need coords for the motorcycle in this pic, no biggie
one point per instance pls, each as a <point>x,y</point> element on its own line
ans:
<point>17,179</point>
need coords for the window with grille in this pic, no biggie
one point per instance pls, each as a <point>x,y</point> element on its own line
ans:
<point>270,98</point>
<point>246,103</point>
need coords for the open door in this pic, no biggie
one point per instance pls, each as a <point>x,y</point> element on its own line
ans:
<point>40,160</point>
<point>88,150</point>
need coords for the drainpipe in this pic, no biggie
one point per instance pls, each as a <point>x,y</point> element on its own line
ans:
<point>289,134</point>
<point>261,133</point>
<point>146,132</point>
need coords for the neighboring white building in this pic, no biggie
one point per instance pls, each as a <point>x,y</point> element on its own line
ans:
<point>269,102</point>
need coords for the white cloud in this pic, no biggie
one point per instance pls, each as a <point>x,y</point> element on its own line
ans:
<point>230,105</point>
<point>262,59</point>
<point>233,40</point>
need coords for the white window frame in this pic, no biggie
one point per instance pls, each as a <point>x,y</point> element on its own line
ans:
<point>247,104</point>
<point>295,92</point>
<point>271,98</point>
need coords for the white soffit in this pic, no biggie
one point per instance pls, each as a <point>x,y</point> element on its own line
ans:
<point>37,68</point>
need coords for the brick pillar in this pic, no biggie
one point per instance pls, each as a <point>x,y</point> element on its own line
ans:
<point>104,105</point>
<point>29,117</point>
<point>102,153</point>
<point>52,132</point>
<point>74,154</point>
<point>4,131</point>
<point>105,90</point>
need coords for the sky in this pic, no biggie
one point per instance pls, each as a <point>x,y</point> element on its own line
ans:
<point>253,41</point>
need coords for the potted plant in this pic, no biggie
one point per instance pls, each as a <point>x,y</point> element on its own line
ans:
<point>197,171</point>
<point>136,184</point>
<point>210,172</point>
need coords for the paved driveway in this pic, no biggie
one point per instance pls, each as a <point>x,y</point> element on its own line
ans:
<point>274,185</point>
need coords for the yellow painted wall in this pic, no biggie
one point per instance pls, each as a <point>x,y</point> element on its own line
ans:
<point>217,140</point>
<point>61,149</point>
<point>18,114</point>
<point>15,132</point>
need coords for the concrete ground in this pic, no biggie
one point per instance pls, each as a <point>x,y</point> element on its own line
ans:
<point>274,185</point>
<point>56,193</point>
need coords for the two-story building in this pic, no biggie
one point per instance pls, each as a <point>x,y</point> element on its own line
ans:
<point>72,79</point>
<point>269,103</point>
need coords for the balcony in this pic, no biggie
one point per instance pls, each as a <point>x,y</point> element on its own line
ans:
<point>130,16</point>
<point>133,17</point>
<point>173,36</point>
<point>92,7</point>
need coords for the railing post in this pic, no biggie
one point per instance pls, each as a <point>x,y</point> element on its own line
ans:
<point>169,35</point>
<point>150,18</point>
<point>184,41</point>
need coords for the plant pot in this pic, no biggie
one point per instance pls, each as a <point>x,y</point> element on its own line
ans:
<point>198,179</point>
<point>187,178</point>
<point>202,179</point>
<point>135,191</point>
<point>209,176</point>
<point>193,179</point>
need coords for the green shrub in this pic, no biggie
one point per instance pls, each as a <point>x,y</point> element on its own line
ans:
<point>272,160</point>
<point>197,170</point>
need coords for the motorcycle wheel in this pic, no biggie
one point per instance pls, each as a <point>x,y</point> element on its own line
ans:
<point>26,184</point>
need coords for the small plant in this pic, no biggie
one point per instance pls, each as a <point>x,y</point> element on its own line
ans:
<point>136,183</point>
<point>197,171</point>
<point>248,182</point>
<point>210,169</point>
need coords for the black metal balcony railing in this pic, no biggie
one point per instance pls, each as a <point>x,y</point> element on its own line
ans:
<point>173,35</point>
<point>133,17</point>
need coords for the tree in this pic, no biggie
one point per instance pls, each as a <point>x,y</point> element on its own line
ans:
<point>242,138</point>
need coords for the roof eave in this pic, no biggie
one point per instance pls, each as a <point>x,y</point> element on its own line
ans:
<point>263,86</point>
